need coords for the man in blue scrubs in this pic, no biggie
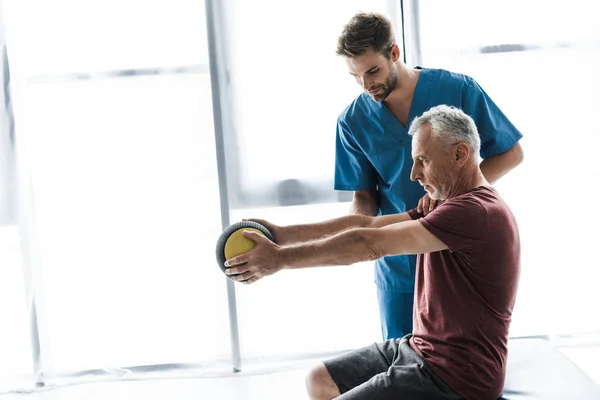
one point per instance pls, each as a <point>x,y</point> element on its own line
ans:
<point>373,148</point>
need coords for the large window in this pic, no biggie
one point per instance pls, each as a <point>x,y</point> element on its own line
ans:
<point>287,88</point>
<point>120,183</point>
<point>114,122</point>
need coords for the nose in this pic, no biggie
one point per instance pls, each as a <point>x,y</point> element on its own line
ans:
<point>415,173</point>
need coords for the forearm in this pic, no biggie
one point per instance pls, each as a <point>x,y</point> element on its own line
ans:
<point>293,234</point>
<point>310,232</point>
<point>344,248</point>
<point>494,168</point>
<point>363,208</point>
<point>365,202</point>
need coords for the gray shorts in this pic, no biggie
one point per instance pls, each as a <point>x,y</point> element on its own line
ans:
<point>388,370</point>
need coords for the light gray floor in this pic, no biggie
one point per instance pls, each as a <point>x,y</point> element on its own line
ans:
<point>288,385</point>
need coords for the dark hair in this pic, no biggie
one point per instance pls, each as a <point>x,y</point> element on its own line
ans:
<point>366,31</point>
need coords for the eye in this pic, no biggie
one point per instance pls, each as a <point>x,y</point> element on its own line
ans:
<point>375,71</point>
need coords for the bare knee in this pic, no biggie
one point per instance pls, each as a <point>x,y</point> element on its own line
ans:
<point>320,385</point>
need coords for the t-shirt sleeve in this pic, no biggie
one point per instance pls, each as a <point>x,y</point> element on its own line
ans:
<point>497,132</point>
<point>460,224</point>
<point>353,170</point>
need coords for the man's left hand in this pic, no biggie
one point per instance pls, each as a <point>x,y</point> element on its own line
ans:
<point>261,261</point>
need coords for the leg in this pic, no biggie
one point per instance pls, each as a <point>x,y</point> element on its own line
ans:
<point>328,380</point>
<point>407,378</point>
<point>396,312</point>
<point>320,385</point>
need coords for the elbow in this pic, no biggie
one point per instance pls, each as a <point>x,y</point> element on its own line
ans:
<point>517,155</point>
<point>365,203</point>
<point>370,245</point>
<point>363,221</point>
<point>371,222</point>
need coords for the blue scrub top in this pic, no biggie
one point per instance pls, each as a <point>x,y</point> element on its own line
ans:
<point>373,150</point>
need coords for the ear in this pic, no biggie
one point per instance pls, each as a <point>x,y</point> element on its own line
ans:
<point>463,152</point>
<point>395,52</point>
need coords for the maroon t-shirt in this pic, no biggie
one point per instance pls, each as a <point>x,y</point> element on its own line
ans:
<point>464,296</point>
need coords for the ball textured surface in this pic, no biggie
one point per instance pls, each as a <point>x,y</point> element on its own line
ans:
<point>237,243</point>
<point>232,241</point>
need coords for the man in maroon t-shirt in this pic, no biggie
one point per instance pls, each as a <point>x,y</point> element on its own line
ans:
<point>467,275</point>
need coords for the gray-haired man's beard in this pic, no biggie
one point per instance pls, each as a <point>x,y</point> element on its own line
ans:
<point>442,189</point>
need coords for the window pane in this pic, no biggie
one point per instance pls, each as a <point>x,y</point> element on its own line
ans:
<point>67,36</point>
<point>287,94</point>
<point>16,361</point>
<point>127,212</point>
<point>545,79</point>
<point>314,310</point>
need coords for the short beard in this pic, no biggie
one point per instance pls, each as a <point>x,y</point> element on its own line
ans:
<point>443,190</point>
<point>391,83</point>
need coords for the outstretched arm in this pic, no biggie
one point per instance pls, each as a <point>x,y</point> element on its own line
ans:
<point>345,248</point>
<point>293,234</point>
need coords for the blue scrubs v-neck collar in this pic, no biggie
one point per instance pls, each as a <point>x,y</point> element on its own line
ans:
<point>418,100</point>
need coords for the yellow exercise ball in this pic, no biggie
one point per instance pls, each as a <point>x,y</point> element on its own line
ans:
<point>232,242</point>
<point>237,243</point>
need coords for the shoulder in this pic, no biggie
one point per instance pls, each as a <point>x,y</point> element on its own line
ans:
<point>449,78</point>
<point>480,196</point>
<point>475,202</point>
<point>480,202</point>
<point>359,109</point>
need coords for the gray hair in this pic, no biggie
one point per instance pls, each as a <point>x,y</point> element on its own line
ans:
<point>449,125</point>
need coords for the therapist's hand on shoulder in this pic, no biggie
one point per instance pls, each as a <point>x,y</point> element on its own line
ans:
<point>427,205</point>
